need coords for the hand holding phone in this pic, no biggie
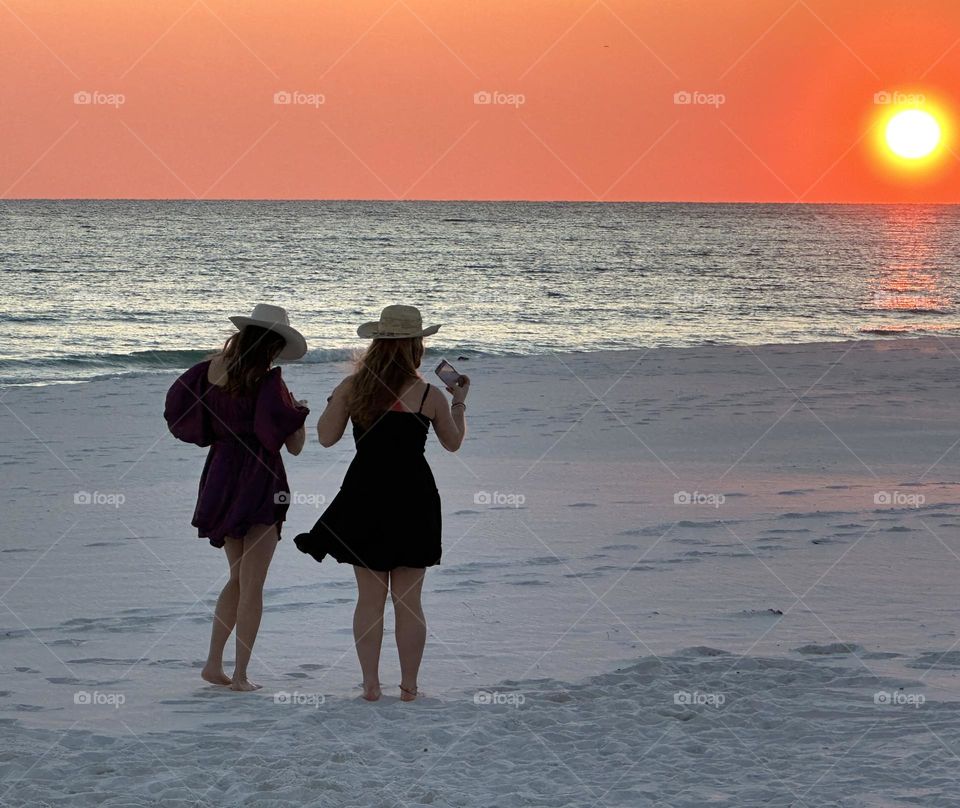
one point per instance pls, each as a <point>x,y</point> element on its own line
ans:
<point>457,385</point>
<point>448,374</point>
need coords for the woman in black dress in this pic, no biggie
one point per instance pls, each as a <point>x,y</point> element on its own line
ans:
<point>385,520</point>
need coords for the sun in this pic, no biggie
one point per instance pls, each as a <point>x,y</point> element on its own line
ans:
<point>912,134</point>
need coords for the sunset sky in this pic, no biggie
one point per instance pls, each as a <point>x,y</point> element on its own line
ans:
<point>179,99</point>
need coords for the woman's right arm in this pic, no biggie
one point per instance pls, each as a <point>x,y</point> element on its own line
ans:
<point>333,421</point>
<point>449,420</point>
<point>296,441</point>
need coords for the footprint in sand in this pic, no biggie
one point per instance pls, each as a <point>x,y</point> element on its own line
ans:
<point>711,524</point>
<point>540,561</point>
<point>829,649</point>
<point>104,661</point>
<point>936,660</point>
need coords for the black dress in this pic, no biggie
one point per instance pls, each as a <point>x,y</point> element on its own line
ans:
<point>387,513</point>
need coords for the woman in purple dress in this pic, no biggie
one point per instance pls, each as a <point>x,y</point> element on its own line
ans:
<point>237,404</point>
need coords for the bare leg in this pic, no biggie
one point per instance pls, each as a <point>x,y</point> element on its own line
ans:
<point>368,626</point>
<point>224,617</point>
<point>258,547</point>
<point>406,584</point>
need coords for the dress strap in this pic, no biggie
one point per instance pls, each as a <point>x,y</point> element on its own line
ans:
<point>423,400</point>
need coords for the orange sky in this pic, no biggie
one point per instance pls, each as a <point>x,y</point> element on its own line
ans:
<point>398,117</point>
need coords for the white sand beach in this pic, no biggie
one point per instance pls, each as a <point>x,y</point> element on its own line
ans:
<point>677,577</point>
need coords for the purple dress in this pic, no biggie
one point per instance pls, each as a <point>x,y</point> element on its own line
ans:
<point>243,482</point>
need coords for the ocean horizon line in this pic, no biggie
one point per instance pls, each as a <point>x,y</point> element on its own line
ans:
<point>599,202</point>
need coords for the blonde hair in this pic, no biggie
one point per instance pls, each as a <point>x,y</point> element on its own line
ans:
<point>383,372</point>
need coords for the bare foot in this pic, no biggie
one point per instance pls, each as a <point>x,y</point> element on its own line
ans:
<point>408,693</point>
<point>371,692</point>
<point>215,676</point>
<point>243,685</point>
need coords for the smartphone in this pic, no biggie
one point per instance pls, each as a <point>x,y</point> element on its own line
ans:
<point>448,374</point>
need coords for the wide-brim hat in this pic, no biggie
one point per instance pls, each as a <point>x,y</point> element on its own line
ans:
<point>274,318</point>
<point>397,322</point>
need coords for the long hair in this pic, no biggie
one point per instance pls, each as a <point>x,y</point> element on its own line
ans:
<point>383,372</point>
<point>247,356</point>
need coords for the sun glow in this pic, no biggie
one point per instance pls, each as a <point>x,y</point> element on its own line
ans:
<point>913,138</point>
<point>912,134</point>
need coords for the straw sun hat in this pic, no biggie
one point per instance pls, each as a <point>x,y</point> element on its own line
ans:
<point>397,322</point>
<point>274,318</point>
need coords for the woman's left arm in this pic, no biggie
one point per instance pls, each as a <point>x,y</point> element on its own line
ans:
<point>333,421</point>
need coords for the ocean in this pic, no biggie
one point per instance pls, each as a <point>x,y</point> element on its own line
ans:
<point>95,288</point>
